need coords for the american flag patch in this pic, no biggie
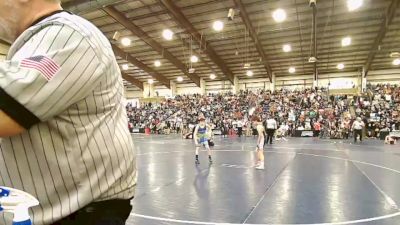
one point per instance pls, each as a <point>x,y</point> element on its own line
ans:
<point>46,66</point>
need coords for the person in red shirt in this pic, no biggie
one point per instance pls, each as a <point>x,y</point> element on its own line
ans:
<point>317,129</point>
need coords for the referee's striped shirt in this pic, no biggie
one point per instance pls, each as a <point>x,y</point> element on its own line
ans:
<point>62,83</point>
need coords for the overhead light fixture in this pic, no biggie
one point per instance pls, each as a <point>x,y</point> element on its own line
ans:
<point>395,55</point>
<point>192,70</point>
<point>125,67</point>
<point>346,41</point>
<point>194,59</point>
<point>249,73</point>
<point>292,70</point>
<point>340,66</point>
<point>212,76</point>
<point>279,15</point>
<point>116,36</point>
<point>218,25</point>
<point>354,4</point>
<point>157,63</point>
<point>126,41</point>
<point>396,62</point>
<point>247,65</point>
<point>312,59</point>
<point>179,79</point>
<point>167,34</point>
<point>287,48</point>
<point>231,14</point>
<point>150,81</point>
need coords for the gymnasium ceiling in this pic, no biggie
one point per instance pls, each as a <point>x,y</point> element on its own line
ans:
<point>374,29</point>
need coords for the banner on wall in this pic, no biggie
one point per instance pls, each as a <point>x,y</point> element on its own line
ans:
<point>306,133</point>
<point>395,133</point>
<point>135,130</point>
<point>217,132</point>
<point>342,84</point>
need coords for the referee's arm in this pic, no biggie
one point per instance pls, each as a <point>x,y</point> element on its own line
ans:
<point>33,94</point>
<point>8,127</point>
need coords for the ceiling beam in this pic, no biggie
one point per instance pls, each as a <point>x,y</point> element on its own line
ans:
<point>254,36</point>
<point>73,3</point>
<point>137,31</point>
<point>119,52</point>
<point>2,42</point>
<point>4,46</point>
<point>132,80</point>
<point>386,21</point>
<point>185,43</point>
<point>185,23</point>
<point>84,6</point>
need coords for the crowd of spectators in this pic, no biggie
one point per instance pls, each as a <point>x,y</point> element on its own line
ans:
<point>379,107</point>
<point>151,115</point>
<point>308,109</point>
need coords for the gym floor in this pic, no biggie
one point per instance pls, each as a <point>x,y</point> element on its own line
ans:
<point>304,182</point>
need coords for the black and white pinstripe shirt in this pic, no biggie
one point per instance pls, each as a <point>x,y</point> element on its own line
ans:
<point>76,148</point>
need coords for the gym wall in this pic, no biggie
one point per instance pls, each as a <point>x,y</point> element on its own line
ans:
<point>336,80</point>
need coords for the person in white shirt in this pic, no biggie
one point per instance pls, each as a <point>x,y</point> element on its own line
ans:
<point>357,127</point>
<point>260,143</point>
<point>281,132</point>
<point>270,128</point>
<point>239,125</point>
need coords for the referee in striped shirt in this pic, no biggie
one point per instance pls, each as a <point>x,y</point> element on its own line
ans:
<point>63,123</point>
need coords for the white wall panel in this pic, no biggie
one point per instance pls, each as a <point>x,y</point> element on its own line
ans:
<point>345,80</point>
<point>182,89</point>
<point>218,86</point>
<point>254,84</point>
<point>133,94</point>
<point>384,76</point>
<point>163,91</point>
<point>290,82</point>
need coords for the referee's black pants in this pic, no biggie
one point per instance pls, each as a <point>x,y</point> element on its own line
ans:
<point>111,212</point>
<point>240,131</point>
<point>270,135</point>
<point>356,133</point>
